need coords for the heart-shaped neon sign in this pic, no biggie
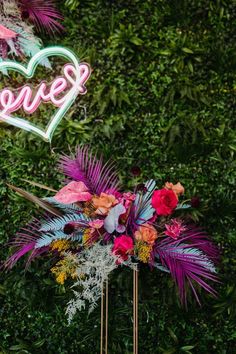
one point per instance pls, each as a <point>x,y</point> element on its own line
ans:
<point>72,84</point>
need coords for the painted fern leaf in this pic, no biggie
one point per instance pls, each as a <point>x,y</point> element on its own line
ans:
<point>49,237</point>
<point>66,208</point>
<point>59,223</point>
<point>43,14</point>
<point>86,167</point>
<point>24,243</point>
<point>188,266</point>
<point>143,210</point>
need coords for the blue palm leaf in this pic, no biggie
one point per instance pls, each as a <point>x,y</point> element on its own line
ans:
<point>67,208</point>
<point>49,237</point>
<point>143,208</point>
<point>59,223</point>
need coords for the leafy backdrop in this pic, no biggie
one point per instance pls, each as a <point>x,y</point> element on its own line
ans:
<point>161,97</point>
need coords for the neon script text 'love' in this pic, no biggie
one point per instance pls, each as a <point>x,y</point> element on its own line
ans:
<point>11,102</point>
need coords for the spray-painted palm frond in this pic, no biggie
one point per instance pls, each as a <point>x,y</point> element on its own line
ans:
<point>25,42</point>
<point>187,264</point>
<point>43,14</point>
<point>25,242</point>
<point>197,237</point>
<point>39,202</point>
<point>47,238</point>
<point>66,208</point>
<point>59,223</point>
<point>143,210</point>
<point>86,167</point>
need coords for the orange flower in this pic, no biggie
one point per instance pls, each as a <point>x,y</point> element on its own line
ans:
<point>146,233</point>
<point>176,188</point>
<point>104,203</point>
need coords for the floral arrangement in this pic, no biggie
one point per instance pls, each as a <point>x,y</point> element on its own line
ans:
<point>90,227</point>
<point>19,18</point>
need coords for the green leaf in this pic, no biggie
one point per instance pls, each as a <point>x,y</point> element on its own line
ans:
<point>190,66</point>
<point>173,336</point>
<point>187,50</point>
<point>164,52</point>
<point>187,347</point>
<point>136,41</point>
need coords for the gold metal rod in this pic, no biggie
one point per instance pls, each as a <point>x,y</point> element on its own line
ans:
<point>102,325</point>
<point>134,311</point>
<point>106,325</point>
<point>136,302</point>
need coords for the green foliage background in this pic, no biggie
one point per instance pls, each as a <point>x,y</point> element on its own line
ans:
<point>161,96</point>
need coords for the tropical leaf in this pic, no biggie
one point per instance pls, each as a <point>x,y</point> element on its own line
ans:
<point>43,14</point>
<point>86,167</point>
<point>56,224</point>
<point>183,206</point>
<point>25,242</point>
<point>39,185</point>
<point>188,265</point>
<point>198,238</point>
<point>143,210</point>
<point>66,208</point>
<point>49,237</point>
<point>36,200</point>
<point>160,267</point>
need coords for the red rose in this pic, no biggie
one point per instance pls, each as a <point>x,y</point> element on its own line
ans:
<point>164,201</point>
<point>123,246</point>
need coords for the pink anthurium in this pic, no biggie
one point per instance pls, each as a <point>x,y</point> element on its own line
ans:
<point>73,192</point>
<point>6,33</point>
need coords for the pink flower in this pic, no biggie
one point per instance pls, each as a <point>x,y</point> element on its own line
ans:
<point>123,246</point>
<point>96,224</point>
<point>129,196</point>
<point>73,192</point>
<point>174,229</point>
<point>164,201</point>
<point>126,199</point>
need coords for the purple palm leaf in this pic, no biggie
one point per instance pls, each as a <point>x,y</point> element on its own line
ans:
<point>189,261</point>
<point>199,238</point>
<point>25,242</point>
<point>43,13</point>
<point>86,167</point>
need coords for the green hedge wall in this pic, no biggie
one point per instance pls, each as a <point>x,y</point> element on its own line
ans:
<point>161,97</point>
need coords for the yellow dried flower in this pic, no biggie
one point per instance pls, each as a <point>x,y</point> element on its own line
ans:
<point>65,268</point>
<point>61,278</point>
<point>60,245</point>
<point>144,251</point>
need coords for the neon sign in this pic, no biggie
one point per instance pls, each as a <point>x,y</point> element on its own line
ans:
<point>62,92</point>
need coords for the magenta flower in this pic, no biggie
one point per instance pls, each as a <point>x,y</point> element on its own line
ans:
<point>174,229</point>
<point>123,247</point>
